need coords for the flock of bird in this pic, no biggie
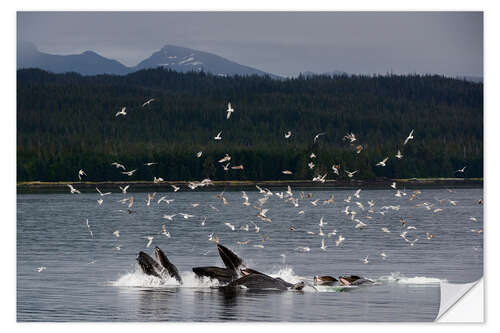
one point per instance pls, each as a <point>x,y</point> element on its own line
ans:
<point>358,212</point>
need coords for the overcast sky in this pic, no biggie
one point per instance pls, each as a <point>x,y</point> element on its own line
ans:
<point>449,43</point>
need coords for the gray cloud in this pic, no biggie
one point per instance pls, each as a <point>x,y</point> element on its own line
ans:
<point>449,43</point>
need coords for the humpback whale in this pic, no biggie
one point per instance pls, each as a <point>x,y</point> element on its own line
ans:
<point>224,275</point>
<point>354,280</point>
<point>324,280</point>
<point>150,267</point>
<point>236,274</point>
<point>263,281</point>
<point>171,269</point>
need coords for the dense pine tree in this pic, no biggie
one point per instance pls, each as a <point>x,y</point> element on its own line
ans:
<point>67,121</point>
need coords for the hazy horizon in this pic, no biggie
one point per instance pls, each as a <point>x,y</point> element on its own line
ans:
<point>282,43</point>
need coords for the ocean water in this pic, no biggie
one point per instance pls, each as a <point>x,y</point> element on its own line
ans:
<point>91,275</point>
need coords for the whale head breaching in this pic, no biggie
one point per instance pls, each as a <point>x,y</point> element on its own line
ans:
<point>324,280</point>
<point>354,280</point>
<point>150,267</point>
<point>224,275</point>
<point>171,269</point>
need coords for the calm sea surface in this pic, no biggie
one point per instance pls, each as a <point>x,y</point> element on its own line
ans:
<point>95,277</point>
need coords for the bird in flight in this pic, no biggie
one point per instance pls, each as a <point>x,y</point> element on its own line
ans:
<point>350,174</point>
<point>225,159</point>
<point>339,240</point>
<point>316,137</point>
<point>230,225</point>
<point>90,231</point>
<point>147,102</point>
<point>129,173</point>
<point>461,170</point>
<point>335,168</point>
<point>218,137</point>
<point>169,217</point>
<point>176,188</point>
<point>102,194</point>
<point>72,189</point>
<point>288,134</point>
<point>351,137</point>
<point>229,110</point>
<point>118,165</point>
<point>164,231</point>
<point>398,155</point>
<point>382,163</point>
<point>410,137</point>
<point>198,154</point>
<point>150,240</point>
<point>122,112</point>
<point>150,163</point>
<point>81,173</point>
<point>124,189</point>
<point>41,269</point>
<point>323,247</point>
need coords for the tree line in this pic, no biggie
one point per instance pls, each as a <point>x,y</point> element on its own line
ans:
<point>67,122</point>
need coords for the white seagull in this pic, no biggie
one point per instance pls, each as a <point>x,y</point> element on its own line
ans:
<point>122,112</point>
<point>169,217</point>
<point>129,173</point>
<point>218,137</point>
<point>288,134</point>
<point>229,110</point>
<point>318,135</point>
<point>124,189</point>
<point>339,240</point>
<point>150,240</point>
<point>147,102</point>
<point>382,163</point>
<point>410,137</point>
<point>81,173</point>
<point>102,194</point>
<point>350,174</point>
<point>118,165</point>
<point>72,189</point>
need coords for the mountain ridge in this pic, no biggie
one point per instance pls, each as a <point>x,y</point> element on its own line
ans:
<point>180,59</point>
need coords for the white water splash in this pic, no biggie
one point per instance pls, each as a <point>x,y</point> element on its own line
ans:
<point>397,278</point>
<point>139,279</point>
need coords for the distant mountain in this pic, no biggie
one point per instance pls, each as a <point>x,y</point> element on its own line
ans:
<point>90,63</point>
<point>182,59</point>
<point>86,63</point>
